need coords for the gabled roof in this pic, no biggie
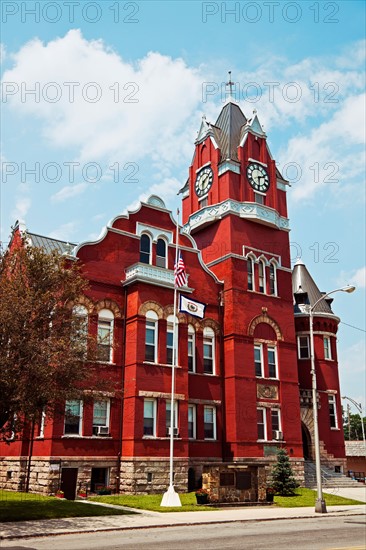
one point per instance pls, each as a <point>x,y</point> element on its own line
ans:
<point>303,285</point>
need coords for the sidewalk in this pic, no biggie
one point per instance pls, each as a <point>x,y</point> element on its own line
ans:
<point>143,520</point>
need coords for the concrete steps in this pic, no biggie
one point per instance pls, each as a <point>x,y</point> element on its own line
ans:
<point>330,478</point>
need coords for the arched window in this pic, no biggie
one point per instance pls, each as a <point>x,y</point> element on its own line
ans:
<point>262,276</point>
<point>272,279</point>
<point>161,253</point>
<point>170,339</point>
<point>145,249</point>
<point>208,351</point>
<point>80,327</point>
<point>250,270</point>
<point>191,349</point>
<point>151,337</point>
<point>105,335</point>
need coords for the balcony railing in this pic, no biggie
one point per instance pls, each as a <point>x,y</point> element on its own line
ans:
<point>151,274</point>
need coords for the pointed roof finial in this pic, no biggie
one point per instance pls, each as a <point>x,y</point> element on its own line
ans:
<point>255,112</point>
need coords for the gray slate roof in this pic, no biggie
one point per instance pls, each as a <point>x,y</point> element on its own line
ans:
<point>302,282</point>
<point>229,123</point>
<point>355,448</point>
<point>49,244</point>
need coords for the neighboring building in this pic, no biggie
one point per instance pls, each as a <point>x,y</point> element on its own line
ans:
<point>243,386</point>
<point>356,459</point>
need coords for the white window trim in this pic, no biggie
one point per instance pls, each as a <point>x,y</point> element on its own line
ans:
<point>194,420</point>
<point>214,438</point>
<point>333,399</point>
<point>298,347</point>
<point>146,436</point>
<point>260,346</point>
<point>80,432</point>
<point>176,412</point>
<point>279,421</point>
<point>273,347</point>
<point>264,423</point>
<point>192,333</point>
<point>209,333</point>
<point>107,424</point>
<point>150,247</point>
<point>252,260</point>
<point>263,263</point>
<point>107,316</point>
<point>42,424</point>
<point>327,338</point>
<point>152,317</point>
<point>272,264</point>
<point>166,252</point>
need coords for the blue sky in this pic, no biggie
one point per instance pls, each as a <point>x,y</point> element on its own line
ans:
<point>119,92</point>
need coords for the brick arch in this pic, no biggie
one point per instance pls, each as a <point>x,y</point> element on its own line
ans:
<point>111,305</point>
<point>83,301</point>
<point>194,322</point>
<point>151,305</point>
<point>212,324</point>
<point>169,310</point>
<point>264,318</point>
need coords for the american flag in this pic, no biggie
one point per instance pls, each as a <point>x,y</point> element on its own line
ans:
<point>180,277</point>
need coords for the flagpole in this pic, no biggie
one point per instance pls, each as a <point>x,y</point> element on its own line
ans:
<point>170,497</point>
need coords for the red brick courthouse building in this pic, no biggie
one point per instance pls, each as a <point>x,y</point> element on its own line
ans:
<point>243,384</point>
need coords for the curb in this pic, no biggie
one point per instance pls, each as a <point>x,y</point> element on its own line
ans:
<point>186,524</point>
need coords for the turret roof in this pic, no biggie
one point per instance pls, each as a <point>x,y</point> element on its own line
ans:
<point>306,291</point>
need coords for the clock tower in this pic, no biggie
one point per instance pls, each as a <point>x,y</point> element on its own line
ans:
<point>234,206</point>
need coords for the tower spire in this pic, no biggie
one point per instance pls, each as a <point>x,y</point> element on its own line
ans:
<point>230,84</point>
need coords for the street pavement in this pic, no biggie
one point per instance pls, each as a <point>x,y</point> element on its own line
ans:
<point>145,519</point>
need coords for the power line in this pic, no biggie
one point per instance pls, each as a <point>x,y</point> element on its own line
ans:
<point>357,328</point>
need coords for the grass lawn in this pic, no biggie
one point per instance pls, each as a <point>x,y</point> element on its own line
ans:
<point>152,502</point>
<point>307,497</point>
<point>26,506</point>
<point>303,497</point>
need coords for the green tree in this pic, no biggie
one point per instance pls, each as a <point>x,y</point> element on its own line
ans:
<point>283,480</point>
<point>352,426</point>
<point>42,345</point>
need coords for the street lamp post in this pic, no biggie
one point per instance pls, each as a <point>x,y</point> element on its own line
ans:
<point>320,505</point>
<point>360,412</point>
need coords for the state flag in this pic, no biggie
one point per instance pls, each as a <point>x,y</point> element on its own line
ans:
<point>187,305</point>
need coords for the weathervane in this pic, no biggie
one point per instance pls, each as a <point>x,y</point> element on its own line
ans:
<point>230,83</point>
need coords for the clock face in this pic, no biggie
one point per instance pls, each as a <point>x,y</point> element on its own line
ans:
<point>203,182</point>
<point>258,177</point>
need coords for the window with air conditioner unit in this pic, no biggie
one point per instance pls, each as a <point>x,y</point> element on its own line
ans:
<point>100,430</point>
<point>175,432</point>
<point>101,414</point>
<point>277,435</point>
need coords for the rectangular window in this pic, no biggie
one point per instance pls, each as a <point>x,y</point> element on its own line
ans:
<point>73,417</point>
<point>208,354</point>
<point>261,277</point>
<point>261,424</point>
<point>272,280</point>
<point>272,366</point>
<point>210,422</point>
<point>191,353</point>
<point>175,417</point>
<point>42,423</point>
<point>259,199</point>
<point>105,329</point>
<point>303,347</point>
<point>101,414</point>
<point>203,202</point>
<point>327,348</point>
<point>150,341</point>
<point>258,363</point>
<point>150,417</point>
<point>192,421</point>
<point>169,344</point>
<point>250,274</point>
<point>276,423</point>
<point>332,411</point>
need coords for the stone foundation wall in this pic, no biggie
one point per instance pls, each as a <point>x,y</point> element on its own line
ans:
<point>151,475</point>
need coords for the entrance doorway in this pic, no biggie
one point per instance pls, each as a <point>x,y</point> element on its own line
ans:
<point>306,442</point>
<point>69,478</point>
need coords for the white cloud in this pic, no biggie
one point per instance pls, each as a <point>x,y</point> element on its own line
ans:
<point>64,232</point>
<point>356,277</point>
<point>21,208</point>
<point>69,192</point>
<point>2,53</point>
<point>157,98</point>
<point>352,371</point>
